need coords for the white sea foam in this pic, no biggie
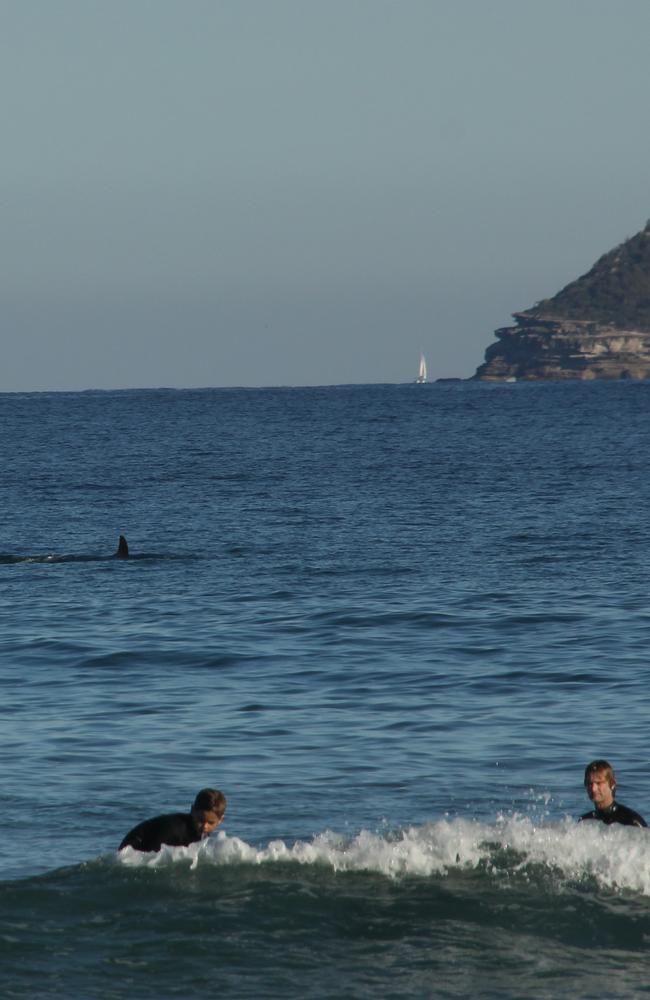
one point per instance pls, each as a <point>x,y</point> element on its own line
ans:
<point>514,846</point>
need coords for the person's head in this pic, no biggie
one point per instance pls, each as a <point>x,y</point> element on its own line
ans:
<point>600,782</point>
<point>208,810</point>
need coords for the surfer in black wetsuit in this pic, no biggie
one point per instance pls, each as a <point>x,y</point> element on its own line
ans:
<point>600,782</point>
<point>179,829</point>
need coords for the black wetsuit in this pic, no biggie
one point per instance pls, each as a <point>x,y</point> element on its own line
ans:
<point>616,813</point>
<point>175,829</point>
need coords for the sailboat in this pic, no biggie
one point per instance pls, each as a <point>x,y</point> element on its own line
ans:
<point>422,371</point>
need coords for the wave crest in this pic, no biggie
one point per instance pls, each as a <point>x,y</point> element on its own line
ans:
<point>512,848</point>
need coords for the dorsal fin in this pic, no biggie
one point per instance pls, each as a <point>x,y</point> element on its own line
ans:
<point>122,549</point>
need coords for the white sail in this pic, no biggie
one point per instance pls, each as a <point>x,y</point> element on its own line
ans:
<point>422,370</point>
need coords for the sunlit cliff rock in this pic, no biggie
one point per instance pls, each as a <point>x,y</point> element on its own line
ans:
<point>596,327</point>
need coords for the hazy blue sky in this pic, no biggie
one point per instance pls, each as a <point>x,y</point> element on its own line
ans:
<point>271,192</point>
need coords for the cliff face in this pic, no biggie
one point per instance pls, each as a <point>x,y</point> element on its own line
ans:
<point>546,348</point>
<point>596,327</point>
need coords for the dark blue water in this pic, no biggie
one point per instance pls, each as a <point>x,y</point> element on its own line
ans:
<point>392,623</point>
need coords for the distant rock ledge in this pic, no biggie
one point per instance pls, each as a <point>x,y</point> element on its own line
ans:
<point>598,327</point>
<point>547,348</point>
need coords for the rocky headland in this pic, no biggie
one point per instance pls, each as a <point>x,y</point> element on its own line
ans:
<point>597,327</point>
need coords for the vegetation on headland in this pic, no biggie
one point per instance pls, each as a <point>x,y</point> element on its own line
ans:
<point>615,292</point>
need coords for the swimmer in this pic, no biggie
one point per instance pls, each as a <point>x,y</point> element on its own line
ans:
<point>600,782</point>
<point>179,829</point>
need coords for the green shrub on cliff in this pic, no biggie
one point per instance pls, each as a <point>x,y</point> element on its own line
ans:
<point>615,291</point>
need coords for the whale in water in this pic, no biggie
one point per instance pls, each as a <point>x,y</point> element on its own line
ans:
<point>122,551</point>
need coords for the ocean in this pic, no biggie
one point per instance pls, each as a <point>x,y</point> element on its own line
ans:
<point>392,623</point>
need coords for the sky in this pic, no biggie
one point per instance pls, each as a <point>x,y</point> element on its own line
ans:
<point>304,192</point>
